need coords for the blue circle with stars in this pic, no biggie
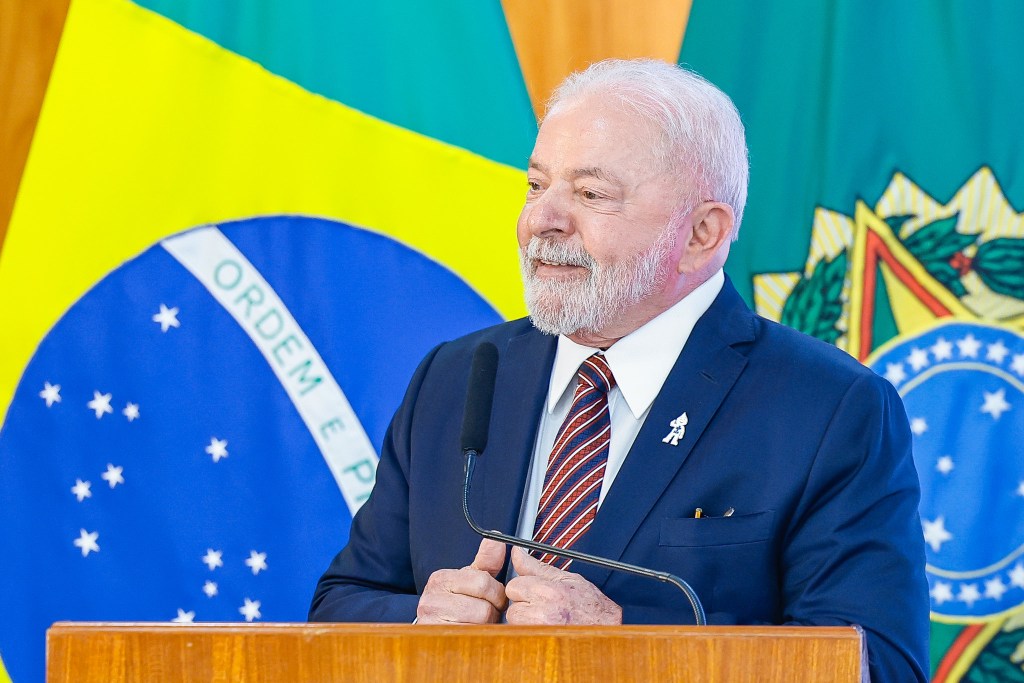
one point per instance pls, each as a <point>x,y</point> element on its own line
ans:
<point>963,388</point>
<point>153,466</point>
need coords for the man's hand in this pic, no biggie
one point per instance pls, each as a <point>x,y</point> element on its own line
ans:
<point>543,594</point>
<point>470,595</point>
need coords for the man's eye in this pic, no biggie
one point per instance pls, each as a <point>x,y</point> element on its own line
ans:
<point>533,185</point>
<point>590,194</point>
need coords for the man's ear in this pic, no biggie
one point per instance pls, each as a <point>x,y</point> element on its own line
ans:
<point>708,240</point>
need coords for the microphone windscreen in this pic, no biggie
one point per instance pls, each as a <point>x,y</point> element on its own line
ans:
<point>477,416</point>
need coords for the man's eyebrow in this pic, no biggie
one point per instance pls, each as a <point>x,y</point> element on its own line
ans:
<point>594,172</point>
<point>576,173</point>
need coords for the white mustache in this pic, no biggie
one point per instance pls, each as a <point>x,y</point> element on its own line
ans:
<point>559,252</point>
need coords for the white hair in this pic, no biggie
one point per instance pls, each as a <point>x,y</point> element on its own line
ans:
<point>702,133</point>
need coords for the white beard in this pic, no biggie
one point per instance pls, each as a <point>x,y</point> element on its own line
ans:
<point>590,304</point>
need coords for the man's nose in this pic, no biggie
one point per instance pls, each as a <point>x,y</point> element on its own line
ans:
<point>550,213</point>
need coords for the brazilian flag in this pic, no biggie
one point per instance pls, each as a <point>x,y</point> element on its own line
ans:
<point>239,228</point>
<point>884,217</point>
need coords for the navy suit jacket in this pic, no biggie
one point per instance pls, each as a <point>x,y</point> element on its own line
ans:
<point>809,447</point>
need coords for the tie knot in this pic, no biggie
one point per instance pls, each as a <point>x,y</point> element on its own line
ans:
<point>595,373</point>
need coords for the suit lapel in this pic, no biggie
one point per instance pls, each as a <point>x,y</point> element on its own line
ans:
<point>521,386</point>
<point>699,381</point>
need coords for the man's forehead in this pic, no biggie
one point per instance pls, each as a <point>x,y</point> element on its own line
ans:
<point>602,133</point>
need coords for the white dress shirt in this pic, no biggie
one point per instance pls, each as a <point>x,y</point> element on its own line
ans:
<point>640,363</point>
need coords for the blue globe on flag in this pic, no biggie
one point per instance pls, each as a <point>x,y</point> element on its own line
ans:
<point>191,439</point>
<point>963,387</point>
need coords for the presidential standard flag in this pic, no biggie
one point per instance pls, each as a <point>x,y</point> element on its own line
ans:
<point>884,217</point>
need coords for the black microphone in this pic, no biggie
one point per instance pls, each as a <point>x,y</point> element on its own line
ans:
<point>476,417</point>
<point>475,422</point>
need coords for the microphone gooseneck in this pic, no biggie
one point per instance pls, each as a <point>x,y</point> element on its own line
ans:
<point>665,577</point>
<point>475,423</point>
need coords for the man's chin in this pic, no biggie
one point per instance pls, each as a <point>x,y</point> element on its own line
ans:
<point>555,320</point>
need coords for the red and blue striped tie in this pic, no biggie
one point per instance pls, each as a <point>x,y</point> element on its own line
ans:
<point>572,483</point>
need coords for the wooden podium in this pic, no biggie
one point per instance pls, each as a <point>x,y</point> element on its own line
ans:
<point>377,653</point>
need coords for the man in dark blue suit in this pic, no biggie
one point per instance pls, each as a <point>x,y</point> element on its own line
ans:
<point>769,469</point>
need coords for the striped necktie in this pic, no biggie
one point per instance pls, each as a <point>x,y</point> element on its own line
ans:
<point>572,483</point>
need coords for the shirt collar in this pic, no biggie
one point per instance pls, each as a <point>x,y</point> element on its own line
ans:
<point>641,360</point>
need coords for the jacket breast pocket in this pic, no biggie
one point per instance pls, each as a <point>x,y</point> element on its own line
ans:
<point>713,531</point>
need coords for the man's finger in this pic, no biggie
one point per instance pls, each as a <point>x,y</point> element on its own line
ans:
<point>520,613</point>
<point>530,589</point>
<point>489,557</point>
<point>470,582</point>
<point>464,595</point>
<point>527,565</point>
<point>449,608</point>
<point>476,583</point>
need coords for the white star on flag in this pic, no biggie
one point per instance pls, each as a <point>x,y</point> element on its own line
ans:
<point>212,558</point>
<point>87,542</point>
<point>100,404</point>
<point>969,594</point>
<point>969,346</point>
<point>919,426</point>
<point>167,317</point>
<point>994,588</point>
<point>1017,575</point>
<point>1017,365</point>
<point>131,411</point>
<point>113,475</point>
<point>935,533</point>
<point>50,393</point>
<point>257,562</point>
<point>995,403</point>
<point>942,349</point>
<point>942,592</point>
<point>918,359</point>
<point>250,610</point>
<point>184,617</point>
<point>895,373</point>
<point>1020,489</point>
<point>944,465</point>
<point>210,588</point>
<point>81,490</point>
<point>996,352</point>
<point>218,448</point>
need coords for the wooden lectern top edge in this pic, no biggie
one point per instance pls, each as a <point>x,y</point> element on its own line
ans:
<point>496,630</point>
